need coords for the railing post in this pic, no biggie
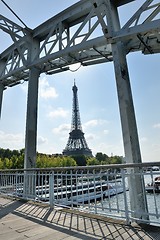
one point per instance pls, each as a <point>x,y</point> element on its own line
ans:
<point>125,197</point>
<point>51,190</point>
<point>16,182</point>
<point>138,199</point>
<point>29,185</point>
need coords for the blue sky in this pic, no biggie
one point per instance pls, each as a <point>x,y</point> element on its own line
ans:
<point>97,96</point>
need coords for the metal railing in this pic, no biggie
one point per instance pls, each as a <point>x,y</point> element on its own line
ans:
<point>126,191</point>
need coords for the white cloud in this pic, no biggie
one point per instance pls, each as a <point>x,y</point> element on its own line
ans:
<point>24,87</point>
<point>12,141</point>
<point>156,125</point>
<point>156,147</point>
<point>143,139</point>
<point>45,91</point>
<point>106,132</point>
<point>102,147</point>
<point>16,141</point>
<point>59,112</point>
<point>90,137</point>
<point>63,128</point>
<point>95,122</point>
<point>91,123</point>
<point>108,149</point>
<point>42,140</point>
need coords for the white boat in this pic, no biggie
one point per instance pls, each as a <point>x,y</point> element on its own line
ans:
<point>114,190</point>
<point>154,187</point>
<point>82,193</point>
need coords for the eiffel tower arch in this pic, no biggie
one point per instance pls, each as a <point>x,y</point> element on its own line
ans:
<point>76,144</point>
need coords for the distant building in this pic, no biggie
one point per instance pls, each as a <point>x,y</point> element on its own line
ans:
<point>76,144</point>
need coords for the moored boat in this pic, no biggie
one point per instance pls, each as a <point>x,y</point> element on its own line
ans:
<point>82,193</point>
<point>154,187</point>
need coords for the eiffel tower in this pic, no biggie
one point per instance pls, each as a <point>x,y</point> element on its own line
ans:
<point>76,144</point>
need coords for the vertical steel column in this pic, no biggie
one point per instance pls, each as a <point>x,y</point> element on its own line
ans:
<point>2,64</point>
<point>31,126</point>
<point>1,96</point>
<point>32,108</point>
<point>31,123</point>
<point>127,114</point>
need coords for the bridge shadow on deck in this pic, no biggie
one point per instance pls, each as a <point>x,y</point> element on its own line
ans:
<point>76,224</point>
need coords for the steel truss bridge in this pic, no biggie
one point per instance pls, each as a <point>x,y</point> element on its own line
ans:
<point>88,32</point>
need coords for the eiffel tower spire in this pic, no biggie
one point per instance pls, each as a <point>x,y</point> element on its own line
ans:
<point>76,144</point>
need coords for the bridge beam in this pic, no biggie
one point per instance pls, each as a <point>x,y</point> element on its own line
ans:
<point>74,36</point>
<point>127,114</point>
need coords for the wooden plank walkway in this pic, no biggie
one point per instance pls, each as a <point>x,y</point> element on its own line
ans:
<point>26,220</point>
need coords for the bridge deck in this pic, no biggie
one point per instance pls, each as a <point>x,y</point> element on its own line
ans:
<point>27,220</point>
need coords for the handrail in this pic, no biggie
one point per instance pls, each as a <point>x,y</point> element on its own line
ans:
<point>108,166</point>
<point>126,191</point>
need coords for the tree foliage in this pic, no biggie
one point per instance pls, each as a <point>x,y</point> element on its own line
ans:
<point>92,161</point>
<point>104,159</point>
<point>44,161</point>
<point>14,159</point>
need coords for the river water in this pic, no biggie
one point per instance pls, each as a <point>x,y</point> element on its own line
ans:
<point>116,204</point>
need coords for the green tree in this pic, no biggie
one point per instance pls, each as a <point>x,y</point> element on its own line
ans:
<point>20,161</point>
<point>69,161</point>
<point>102,157</point>
<point>115,160</point>
<point>1,164</point>
<point>92,161</point>
<point>7,163</point>
<point>80,160</point>
<point>41,162</point>
<point>14,160</point>
<point>44,161</point>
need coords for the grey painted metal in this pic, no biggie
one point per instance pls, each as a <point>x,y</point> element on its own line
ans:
<point>85,33</point>
<point>76,144</point>
<point>31,123</point>
<point>51,187</point>
<point>121,2</point>
<point>128,121</point>
<point>15,31</point>
<point>145,165</point>
<point>75,35</point>
<point>1,87</point>
<point>32,107</point>
<point>31,132</point>
<point>1,95</point>
<point>64,186</point>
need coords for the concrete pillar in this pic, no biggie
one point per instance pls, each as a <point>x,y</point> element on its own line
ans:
<point>127,114</point>
<point>1,96</point>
